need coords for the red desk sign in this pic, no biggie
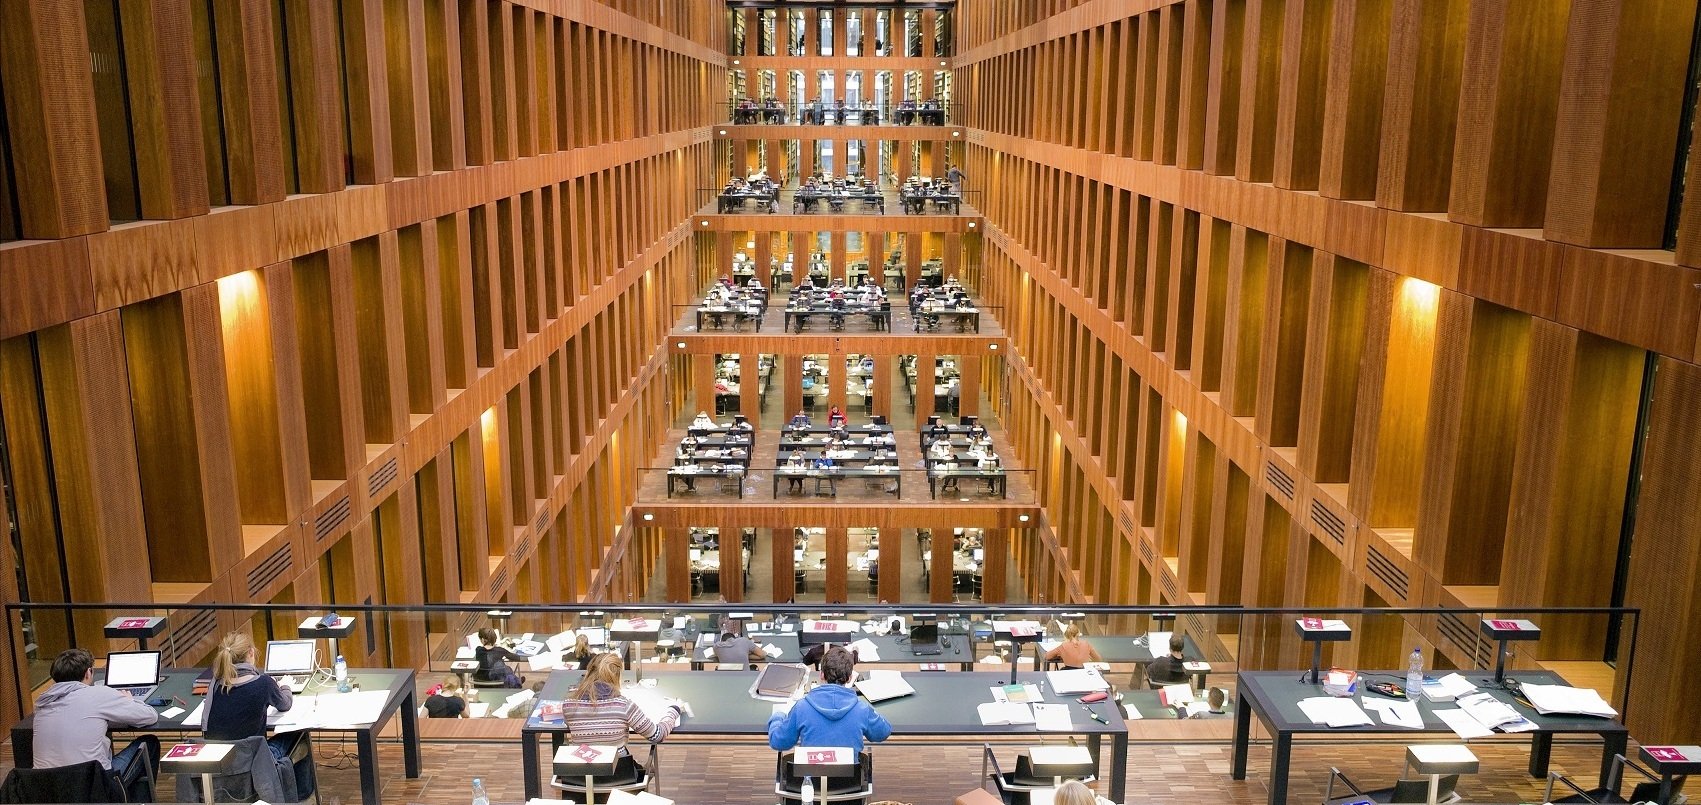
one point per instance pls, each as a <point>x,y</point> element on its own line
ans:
<point>1666,754</point>
<point>824,626</point>
<point>1511,626</point>
<point>1312,624</point>
<point>822,757</point>
<point>133,623</point>
<point>587,753</point>
<point>184,751</point>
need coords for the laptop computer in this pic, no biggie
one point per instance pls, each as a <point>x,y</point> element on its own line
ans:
<point>291,661</point>
<point>924,639</point>
<point>134,672</point>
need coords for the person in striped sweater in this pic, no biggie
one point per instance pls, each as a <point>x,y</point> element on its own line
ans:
<point>596,713</point>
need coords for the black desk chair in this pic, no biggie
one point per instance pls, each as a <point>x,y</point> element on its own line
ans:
<point>83,782</point>
<point>856,789</point>
<point>1016,787</point>
<point>1648,790</point>
<point>1415,790</point>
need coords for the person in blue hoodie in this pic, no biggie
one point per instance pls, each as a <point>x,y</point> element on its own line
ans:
<point>831,714</point>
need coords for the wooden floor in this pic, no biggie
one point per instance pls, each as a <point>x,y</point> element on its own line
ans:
<point>1159,772</point>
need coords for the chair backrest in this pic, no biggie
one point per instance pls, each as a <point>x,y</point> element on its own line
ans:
<point>1418,790</point>
<point>83,782</point>
<point>787,781</point>
<point>1650,791</point>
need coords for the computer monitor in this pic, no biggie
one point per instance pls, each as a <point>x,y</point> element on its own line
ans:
<point>924,636</point>
<point>130,669</point>
<point>287,657</point>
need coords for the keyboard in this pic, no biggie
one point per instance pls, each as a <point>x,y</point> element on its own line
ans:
<point>295,684</point>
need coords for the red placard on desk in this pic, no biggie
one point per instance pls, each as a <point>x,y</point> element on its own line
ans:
<point>1510,626</point>
<point>184,751</point>
<point>1312,624</point>
<point>1666,754</point>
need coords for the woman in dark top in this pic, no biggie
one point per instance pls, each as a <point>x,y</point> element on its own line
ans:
<point>449,701</point>
<point>581,653</point>
<point>493,661</point>
<point>239,695</point>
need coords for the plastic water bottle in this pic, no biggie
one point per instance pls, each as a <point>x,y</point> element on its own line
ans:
<point>1414,675</point>
<point>479,797</point>
<point>340,672</point>
<point>808,791</point>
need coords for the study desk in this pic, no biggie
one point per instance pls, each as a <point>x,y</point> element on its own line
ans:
<point>808,200</point>
<point>1122,650</point>
<point>1273,696</point>
<point>733,201</point>
<point>915,202</point>
<point>178,684</point>
<point>893,650</point>
<point>716,314</point>
<point>833,475</point>
<point>997,479</point>
<point>878,315</point>
<point>943,710</point>
<point>689,473</point>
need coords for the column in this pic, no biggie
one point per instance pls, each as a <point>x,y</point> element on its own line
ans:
<point>838,554</point>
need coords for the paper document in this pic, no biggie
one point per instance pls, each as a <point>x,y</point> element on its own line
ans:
<point>883,685</point>
<point>478,709</point>
<point>348,709</point>
<point>1462,724</point>
<point>995,713</point>
<point>772,650</point>
<point>1566,699</point>
<point>1177,694</point>
<point>1492,713</point>
<point>194,716</point>
<point>1447,688</point>
<point>1334,712</point>
<point>1048,644</point>
<point>544,661</point>
<point>1131,712</point>
<point>1157,643</point>
<point>172,712</point>
<point>865,650</point>
<point>1053,718</point>
<point>654,703</point>
<point>1401,714</point>
<point>1076,681</point>
<point>561,641</point>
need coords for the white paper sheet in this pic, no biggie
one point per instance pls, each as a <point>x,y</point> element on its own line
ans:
<point>1157,643</point>
<point>995,713</point>
<point>865,650</point>
<point>1053,718</point>
<point>1076,681</point>
<point>1567,699</point>
<point>1462,724</point>
<point>1401,714</point>
<point>1334,712</point>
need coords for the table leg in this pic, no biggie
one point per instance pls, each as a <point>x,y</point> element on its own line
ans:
<point>1614,745</point>
<point>1119,767</point>
<point>367,743</point>
<point>1242,737</point>
<point>1541,747</point>
<point>528,764</point>
<point>410,735</point>
<point>1281,746</point>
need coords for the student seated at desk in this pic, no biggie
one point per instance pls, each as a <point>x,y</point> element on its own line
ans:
<point>596,713</point>
<point>72,718</point>
<point>239,695</point>
<point>493,661</point>
<point>796,462</point>
<point>581,655</point>
<point>835,417</point>
<point>702,420</point>
<point>449,700</point>
<point>825,462</point>
<point>1216,703</point>
<point>1167,670</point>
<point>799,420</point>
<point>1073,652</point>
<point>940,450</point>
<point>733,647</point>
<point>831,714</point>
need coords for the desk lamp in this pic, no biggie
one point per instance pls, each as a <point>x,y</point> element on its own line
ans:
<point>1505,631</point>
<point>139,627</point>
<point>1319,631</point>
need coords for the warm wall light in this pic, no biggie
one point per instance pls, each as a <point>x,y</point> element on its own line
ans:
<point>953,134</point>
<point>1419,298</point>
<point>704,222</point>
<point>239,298</point>
<point>680,344</point>
<point>487,420</point>
<point>648,517</point>
<point>1180,421</point>
<point>736,62</point>
<point>1021,518</point>
<point>993,347</point>
<point>723,132</point>
<point>971,224</point>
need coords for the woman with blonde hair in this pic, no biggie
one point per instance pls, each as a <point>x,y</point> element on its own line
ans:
<point>1074,792</point>
<point>239,695</point>
<point>1074,652</point>
<point>596,712</point>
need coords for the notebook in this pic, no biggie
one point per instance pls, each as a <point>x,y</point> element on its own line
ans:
<point>883,685</point>
<point>778,681</point>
